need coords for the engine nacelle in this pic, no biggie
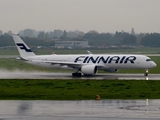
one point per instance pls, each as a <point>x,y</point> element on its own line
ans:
<point>111,70</point>
<point>89,69</point>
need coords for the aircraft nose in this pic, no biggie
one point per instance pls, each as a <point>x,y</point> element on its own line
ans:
<point>154,64</point>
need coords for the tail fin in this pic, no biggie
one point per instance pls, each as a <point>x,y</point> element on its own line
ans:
<point>23,49</point>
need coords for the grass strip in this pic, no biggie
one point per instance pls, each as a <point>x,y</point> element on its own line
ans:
<point>78,89</point>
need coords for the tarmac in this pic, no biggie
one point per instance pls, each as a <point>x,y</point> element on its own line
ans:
<point>80,110</point>
<point>17,74</point>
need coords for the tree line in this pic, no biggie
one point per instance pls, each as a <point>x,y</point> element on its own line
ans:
<point>94,39</point>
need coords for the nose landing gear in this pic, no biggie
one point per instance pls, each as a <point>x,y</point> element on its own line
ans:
<point>146,73</point>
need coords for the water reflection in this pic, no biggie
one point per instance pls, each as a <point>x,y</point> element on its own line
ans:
<point>146,78</point>
<point>147,106</point>
<point>24,107</point>
<point>101,109</point>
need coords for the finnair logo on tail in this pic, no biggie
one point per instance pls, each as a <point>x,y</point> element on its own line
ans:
<point>23,47</point>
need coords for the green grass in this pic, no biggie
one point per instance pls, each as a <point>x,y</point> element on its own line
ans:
<point>9,52</point>
<point>78,89</point>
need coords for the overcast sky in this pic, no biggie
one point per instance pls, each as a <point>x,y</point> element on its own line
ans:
<point>85,15</point>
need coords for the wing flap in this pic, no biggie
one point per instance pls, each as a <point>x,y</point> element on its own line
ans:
<point>70,64</point>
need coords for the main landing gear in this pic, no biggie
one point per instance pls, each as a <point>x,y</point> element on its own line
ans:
<point>146,73</point>
<point>76,74</point>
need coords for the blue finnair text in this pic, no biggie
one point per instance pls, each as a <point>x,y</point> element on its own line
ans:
<point>108,59</point>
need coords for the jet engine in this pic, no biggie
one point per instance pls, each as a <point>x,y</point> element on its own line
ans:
<point>89,69</point>
<point>111,70</point>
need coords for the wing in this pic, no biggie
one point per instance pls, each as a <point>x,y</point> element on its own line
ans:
<point>70,64</point>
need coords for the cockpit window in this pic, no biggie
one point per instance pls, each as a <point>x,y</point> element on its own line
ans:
<point>148,60</point>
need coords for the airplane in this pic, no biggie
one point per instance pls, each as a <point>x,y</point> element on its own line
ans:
<point>84,64</point>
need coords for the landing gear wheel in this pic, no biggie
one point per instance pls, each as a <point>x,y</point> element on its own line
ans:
<point>145,74</point>
<point>76,74</point>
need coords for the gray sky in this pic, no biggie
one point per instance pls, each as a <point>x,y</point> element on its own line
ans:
<point>84,15</point>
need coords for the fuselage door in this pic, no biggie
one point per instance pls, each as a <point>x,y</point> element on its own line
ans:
<point>138,60</point>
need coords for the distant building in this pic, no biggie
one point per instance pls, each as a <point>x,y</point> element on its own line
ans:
<point>71,44</point>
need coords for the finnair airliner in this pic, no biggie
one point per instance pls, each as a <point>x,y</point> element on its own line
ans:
<point>86,64</point>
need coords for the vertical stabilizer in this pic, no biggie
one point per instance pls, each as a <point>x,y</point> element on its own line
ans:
<point>23,49</point>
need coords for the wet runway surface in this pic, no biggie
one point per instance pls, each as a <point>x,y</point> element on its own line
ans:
<point>80,110</point>
<point>46,75</point>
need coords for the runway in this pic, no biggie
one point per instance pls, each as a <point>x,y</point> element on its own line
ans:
<point>49,75</point>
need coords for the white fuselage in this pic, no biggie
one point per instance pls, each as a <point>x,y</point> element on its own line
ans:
<point>103,61</point>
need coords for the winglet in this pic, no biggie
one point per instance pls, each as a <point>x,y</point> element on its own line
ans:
<point>23,49</point>
<point>89,52</point>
